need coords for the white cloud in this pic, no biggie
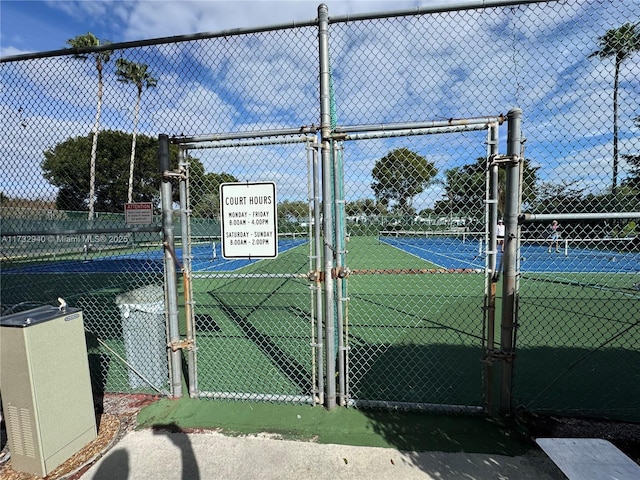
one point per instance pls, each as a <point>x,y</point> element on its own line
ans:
<point>198,109</point>
<point>414,69</point>
<point>25,137</point>
<point>147,19</point>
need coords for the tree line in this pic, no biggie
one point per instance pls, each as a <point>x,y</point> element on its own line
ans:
<point>128,72</point>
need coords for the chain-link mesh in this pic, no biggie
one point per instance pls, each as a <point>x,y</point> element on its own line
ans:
<point>578,324</point>
<point>415,293</point>
<point>254,319</point>
<point>409,216</point>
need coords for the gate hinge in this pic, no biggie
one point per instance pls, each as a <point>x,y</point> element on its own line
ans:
<point>180,174</point>
<point>316,276</point>
<point>181,345</point>
<point>340,137</point>
<point>513,159</point>
<point>340,272</point>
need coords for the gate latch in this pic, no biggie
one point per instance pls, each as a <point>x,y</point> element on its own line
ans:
<point>180,345</point>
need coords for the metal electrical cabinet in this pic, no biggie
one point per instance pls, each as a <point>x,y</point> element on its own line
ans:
<point>46,387</point>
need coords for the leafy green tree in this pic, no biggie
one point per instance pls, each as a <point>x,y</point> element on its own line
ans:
<point>100,58</point>
<point>465,188</point>
<point>561,197</point>
<point>619,43</point>
<point>401,175</point>
<point>295,210</point>
<point>65,166</point>
<point>205,190</point>
<point>366,207</point>
<point>138,75</point>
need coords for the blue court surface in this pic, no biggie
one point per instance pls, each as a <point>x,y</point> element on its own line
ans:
<point>204,259</point>
<point>453,253</point>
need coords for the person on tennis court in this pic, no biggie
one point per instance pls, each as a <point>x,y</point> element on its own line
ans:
<point>554,236</point>
<point>500,234</point>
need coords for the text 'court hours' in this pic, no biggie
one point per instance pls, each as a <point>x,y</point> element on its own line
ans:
<point>249,220</point>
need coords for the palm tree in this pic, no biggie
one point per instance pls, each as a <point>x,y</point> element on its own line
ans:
<point>620,43</point>
<point>101,58</point>
<point>136,73</point>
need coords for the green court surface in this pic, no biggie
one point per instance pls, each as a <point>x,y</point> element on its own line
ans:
<point>579,345</point>
<point>415,331</point>
<point>407,431</point>
<point>254,334</point>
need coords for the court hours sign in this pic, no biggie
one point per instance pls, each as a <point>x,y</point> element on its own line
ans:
<point>249,214</point>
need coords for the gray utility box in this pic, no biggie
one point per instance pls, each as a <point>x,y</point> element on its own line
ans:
<point>46,387</point>
<point>145,336</point>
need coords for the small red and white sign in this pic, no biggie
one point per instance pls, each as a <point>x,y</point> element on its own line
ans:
<point>138,213</point>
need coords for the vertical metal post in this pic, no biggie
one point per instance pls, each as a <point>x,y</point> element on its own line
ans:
<point>340,251</point>
<point>170,280</point>
<point>491,263</point>
<point>509,292</point>
<point>327,205</point>
<point>185,224</point>
<point>317,267</point>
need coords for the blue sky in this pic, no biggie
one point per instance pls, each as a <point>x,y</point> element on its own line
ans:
<point>565,95</point>
<point>34,25</point>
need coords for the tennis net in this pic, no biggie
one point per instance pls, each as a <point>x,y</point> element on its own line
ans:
<point>604,246</point>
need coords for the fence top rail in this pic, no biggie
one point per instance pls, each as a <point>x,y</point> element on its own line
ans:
<point>220,137</point>
<point>156,41</point>
<point>423,10</point>
<point>451,122</point>
<point>436,8</point>
<point>548,217</point>
<point>410,132</point>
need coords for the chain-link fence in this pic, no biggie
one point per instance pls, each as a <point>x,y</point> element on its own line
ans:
<point>385,289</point>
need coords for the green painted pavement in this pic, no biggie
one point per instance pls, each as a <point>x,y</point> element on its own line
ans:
<point>408,431</point>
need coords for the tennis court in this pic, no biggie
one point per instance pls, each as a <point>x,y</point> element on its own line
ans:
<point>414,328</point>
<point>415,320</point>
<point>465,250</point>
<point>206,258</point>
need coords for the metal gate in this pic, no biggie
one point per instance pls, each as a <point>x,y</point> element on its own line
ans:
<point>251,325</point>
<point>390,306</point>
<point>412,286</point>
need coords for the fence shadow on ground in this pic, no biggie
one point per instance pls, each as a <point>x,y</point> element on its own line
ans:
<point>580,382</point>
<point>421,434</point>
<point>433,374</point>
<point>617,390</point>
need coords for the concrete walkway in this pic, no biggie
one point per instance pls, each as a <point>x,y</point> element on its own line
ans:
<point>151,454</point>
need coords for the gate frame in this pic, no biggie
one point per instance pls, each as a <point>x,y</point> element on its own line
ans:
<point>306,135</point>
<point>362,132</point>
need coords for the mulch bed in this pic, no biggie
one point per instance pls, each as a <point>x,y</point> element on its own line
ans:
<point>116,417</point>
<point>625,436</point>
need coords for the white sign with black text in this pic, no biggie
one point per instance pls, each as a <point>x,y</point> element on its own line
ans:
<point>249,214</point>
